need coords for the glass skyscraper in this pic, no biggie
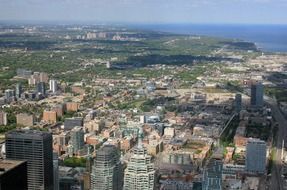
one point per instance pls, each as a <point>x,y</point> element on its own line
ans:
<point>107,172</point>
<point>255,160</point>
<point>35,147</point>
<point>257,92</point>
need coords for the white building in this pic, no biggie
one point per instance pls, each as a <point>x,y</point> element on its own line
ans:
<point>140,172</point>
<point>53,86</point>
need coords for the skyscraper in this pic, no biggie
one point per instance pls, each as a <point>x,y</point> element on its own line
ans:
<point>87,173</point>
<point>107,172</point>
<point>55,171</point>
<point>238,102</point>
<point>255,161</point>
<point>212,175</point>
<point>257,94</point>
<point>36,148</point>
<point>53,86</point>
<point>41,88</point>
<point>18,90</point>
<point>77,139</point>
<point>140,172</point>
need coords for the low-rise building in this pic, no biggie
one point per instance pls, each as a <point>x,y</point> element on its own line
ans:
<point>70,123</point>
<point>50,116</point>
<point>72,106</point>
<point>59,109</point>
<point>169,132</point>
<point>24,119</point>
<point>3,118</point>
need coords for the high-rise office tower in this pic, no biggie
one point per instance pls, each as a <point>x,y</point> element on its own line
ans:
<point>238,102</point>
<point>41,88</point>
<point>18,90</point>
<point>255,161</point>
<point>212,175</point>
<point>107,172</point>
<point>87,173</point>
<point>55,171</point>
<point>35,147</point>
<point>257,94</point>
<point>140,172</point>
<point>77,139</point>
<point>53,86</point>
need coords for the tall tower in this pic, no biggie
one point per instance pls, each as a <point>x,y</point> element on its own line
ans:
<point>255,161</point>
<point>53,86</point>
<point>77,139</point>
<point>56,171</point>
<point>140,172</point>
<point>107,172</point>
<point>35,147</point>
<point>41,88</point>
<point>238,102</point>
<point>18,90</point>
<point>257,94</point>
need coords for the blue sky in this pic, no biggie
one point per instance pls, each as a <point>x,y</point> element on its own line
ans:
<point>147,11</point>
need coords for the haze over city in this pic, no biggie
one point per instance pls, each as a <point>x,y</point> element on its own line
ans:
<point>147,11</point>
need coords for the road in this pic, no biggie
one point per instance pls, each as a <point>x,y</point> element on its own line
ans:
<point>276,179</point>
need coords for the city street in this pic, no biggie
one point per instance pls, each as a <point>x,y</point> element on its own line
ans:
<point>276,179</point>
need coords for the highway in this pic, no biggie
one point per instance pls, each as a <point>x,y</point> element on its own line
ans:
<point>276,179</point>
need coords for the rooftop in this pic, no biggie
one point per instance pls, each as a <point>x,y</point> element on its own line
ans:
<point>22,133</point>
<point>6,165</point>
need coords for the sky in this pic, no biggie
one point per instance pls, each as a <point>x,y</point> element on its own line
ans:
<point>147,11</point>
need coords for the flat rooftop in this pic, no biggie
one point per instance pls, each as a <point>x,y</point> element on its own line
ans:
<point>6,165</point>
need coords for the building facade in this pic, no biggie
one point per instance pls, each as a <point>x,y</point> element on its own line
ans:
<point>77,139</point>
<point>71,123</point>
<point>212,175</point>
<point>18,90</point>
<point>25,119</point>
<point>238,102</point>
<point>72,106</point>
<point>107,172</point>
<point>13,175</point>
<point>3,118</point>
<point>257,94</point>
<point>53,86</point>
<point>35,147</point>
<point>140,172</point>
<point>55,171</point>
<point>50,116</point>
<point>255,161</point>
<point>41,88</point>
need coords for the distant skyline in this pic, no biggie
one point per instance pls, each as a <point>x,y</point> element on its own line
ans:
<point>147,11</point>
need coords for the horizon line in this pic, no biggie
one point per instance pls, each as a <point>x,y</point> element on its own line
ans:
<point>94,22</point>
